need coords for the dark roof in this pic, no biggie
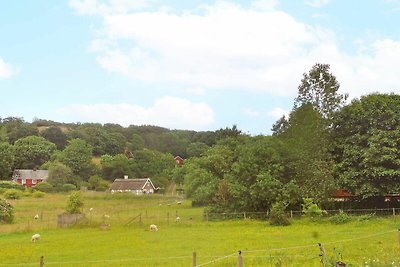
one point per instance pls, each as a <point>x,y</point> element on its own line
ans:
<point>130,184</point>
<point>30,174</point>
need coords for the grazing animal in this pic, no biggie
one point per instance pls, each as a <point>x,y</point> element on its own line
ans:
<point>179,202</point>
<point>36,216</point>
<point>177,219</point>
<point>35,237</point>
<point>153,227</point>
<point>106,216</point>
<point>91,209</point>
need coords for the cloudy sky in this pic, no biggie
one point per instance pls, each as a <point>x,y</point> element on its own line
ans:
<point>198,65</point>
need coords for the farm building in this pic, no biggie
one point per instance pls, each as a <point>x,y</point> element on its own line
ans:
<point>29,178</point>
<point>179,160</point>
<point>137,186</point>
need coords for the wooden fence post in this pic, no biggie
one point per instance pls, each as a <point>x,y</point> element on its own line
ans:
<point>322,254</point>
<point>240,259</point>
<point>168,217</point>
<point>41,263</point>
<point>291,214</point>
<point>194,259</point>
<point>394,212</point>
<point>140,218</point>
<point>244,215</point>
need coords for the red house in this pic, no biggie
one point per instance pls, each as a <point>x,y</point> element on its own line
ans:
<point>179,160</point>
<point>29,178</point>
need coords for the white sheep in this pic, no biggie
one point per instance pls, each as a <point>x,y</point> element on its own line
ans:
<point>35,237</point>
<point>106,216</point>
<point>177,219</point>
<point>36,216</point>
<point>91,209</point>
<point>153,227</point>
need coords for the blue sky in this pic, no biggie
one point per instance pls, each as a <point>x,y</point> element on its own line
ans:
<point>194,65</point>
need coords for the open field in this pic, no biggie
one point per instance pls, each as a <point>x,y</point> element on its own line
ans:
<point>128,242</point>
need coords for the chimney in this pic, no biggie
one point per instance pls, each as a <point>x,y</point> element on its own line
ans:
<point>125,177</point>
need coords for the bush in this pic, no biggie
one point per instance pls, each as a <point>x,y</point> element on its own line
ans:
<point>278,215</point>
<point>12,194</point>
<point>10,185</point>
<point>341,218</point>
<point>38,194</point>
<point>44,187</point>
<point>103,186</point>
<point>68,187</point>
<point>75,203</point>
<point>6,211</point>
<point>312,210</point>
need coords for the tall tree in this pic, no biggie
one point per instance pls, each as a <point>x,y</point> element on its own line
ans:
<point>6,160</point>
<point>367,145</point>
<point>32,152</point>
<point>77,155</point>
<point>55,135</point>
<point>309,160</point>
<point>320,88</point>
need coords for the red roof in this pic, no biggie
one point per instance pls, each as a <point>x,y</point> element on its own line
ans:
<point>342,193</point>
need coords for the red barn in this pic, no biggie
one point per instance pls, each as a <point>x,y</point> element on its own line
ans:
<point>29,178</point>
<point>179,160</point>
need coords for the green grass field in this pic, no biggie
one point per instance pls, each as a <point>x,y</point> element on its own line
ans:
<point>128,241</point>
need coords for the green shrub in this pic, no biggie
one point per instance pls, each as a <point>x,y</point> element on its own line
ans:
<point>44,187</point>
<point>75,203</point>
<point>278,215</point>
<point>103,186</point>
<point>340,218</point>
<point>6,211</point>
<point>38,194</point>
<point>10,185</point>
<point>68,187</point>
<point>312,210</point>
<point>12,194</point>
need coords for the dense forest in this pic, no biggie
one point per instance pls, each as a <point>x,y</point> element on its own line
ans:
<point>324,144</point>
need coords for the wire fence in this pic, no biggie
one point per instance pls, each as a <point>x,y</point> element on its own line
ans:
<point>314,253</point>
<point>216,216</point>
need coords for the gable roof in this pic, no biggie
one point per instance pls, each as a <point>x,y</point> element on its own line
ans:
<point>130,184</point>
<point>30,174</point>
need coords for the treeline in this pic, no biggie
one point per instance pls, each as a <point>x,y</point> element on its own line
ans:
<point>324,144</point>
<point>93,154</point>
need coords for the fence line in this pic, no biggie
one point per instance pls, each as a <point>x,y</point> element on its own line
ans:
<point>211,261</point>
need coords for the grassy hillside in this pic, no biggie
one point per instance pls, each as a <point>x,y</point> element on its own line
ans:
<point>128,242</point>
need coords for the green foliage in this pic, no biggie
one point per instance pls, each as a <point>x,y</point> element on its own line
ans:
<point>367,145</point>
<point>6,160</point>
<point>308,160</point>
<point>77,155</point>
<point>10,184</point>
<point>44,187</point>
<point>113,167</point>
<point>59,174</point>
<point>38,194</point>
<point>68,187</point>
<point>136,142</point>
<point>312,210</point>
<point>6,212</point>
<point>278,214</point>
<point>196,149</point>
<point>32,151</point>
<point>55,135</point>
<point>12,194</point>
<point>75,203</point>
<point>340,218</point>
<point>320,88</point>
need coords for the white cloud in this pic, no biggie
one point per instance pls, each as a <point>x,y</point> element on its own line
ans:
<point>277,113</point>
<point>92,7</point>
<point>226,46</point>
<point>316,3</point>
<point>6,70</point>
<point>170,112</point>
<point>251,112</point>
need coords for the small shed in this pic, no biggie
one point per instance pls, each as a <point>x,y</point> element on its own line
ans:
<point>342,195</point>
<point>179,161</point>
<point>136,186</point>
<point>29,178</point>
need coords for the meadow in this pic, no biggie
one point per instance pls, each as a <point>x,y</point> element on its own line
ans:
<point>370,241</point>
